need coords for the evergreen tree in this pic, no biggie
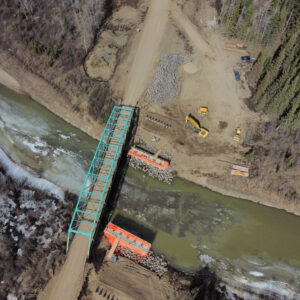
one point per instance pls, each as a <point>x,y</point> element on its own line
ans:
<point>234,17</point>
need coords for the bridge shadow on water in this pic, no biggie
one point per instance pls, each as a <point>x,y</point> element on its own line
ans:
<point>135,228</point>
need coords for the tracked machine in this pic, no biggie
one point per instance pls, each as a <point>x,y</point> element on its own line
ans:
<point>202,132</point>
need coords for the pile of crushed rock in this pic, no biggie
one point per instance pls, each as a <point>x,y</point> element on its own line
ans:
<point>165,84</point>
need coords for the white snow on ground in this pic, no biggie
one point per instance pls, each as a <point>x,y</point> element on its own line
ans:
<point>270,288</point>
<point>206,259</point>
<point>256,273</point>
<point>22,176</point>
<point>64,137</point>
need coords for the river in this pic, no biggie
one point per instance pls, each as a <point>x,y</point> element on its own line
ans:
<point>247,244</point>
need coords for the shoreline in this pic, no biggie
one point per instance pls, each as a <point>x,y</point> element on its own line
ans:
<point>93,130</point>
<point>231,193</point>
<point>15,77</point>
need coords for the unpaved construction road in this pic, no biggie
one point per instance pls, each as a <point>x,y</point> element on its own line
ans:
<point>67,284</point>
<point>147,51</point>
<point>190,29</point>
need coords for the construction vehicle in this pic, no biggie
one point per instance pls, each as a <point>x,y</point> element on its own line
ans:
<point>245,58</point>
<point>240,171</point>
<point>236,47</point>
<point>203,110</point>
<point>237,75</point>
<point>199,130</point>
<point>237,135</point>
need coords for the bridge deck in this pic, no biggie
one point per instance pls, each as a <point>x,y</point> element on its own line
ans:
<point>99,177</point>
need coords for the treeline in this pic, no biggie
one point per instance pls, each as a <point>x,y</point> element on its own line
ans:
<point>273,27</point>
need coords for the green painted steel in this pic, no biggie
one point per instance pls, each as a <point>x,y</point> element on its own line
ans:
<point>99,177</point>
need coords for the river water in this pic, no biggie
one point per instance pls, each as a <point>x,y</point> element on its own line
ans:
<point>247,244</point>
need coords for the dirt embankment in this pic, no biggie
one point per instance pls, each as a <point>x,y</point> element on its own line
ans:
<point>115,280</point>
<point>189,29</point>
<point>9,81</point>
<point>16,77</point>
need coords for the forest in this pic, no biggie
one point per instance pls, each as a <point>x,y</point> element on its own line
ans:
<point>271,29</point>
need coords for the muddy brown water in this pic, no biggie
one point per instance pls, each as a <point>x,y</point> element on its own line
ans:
<point>248,244</point>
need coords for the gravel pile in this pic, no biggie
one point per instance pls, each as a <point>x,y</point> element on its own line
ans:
<point>164,87</point>
<point>165,176</point>
<point>152,262</point>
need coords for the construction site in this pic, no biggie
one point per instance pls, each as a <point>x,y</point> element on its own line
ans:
<point>182,101</point>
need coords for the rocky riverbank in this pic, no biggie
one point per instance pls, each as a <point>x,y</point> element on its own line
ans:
<point>34,217</point>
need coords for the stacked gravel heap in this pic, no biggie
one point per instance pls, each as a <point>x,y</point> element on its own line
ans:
<point>152,262</point>
<point>164,87</point>
<point>164,175</point>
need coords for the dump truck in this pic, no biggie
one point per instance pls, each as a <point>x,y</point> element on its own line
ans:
<point>203,110</point>
<point>198,129</point>
<point>237,135</point>
<point>235,47</point>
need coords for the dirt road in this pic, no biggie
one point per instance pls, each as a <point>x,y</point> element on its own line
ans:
<point>190,29</point>
<point>147,51</point>
<point>66,285</point>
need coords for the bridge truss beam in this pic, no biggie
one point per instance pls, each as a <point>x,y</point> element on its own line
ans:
<point>99,177</point>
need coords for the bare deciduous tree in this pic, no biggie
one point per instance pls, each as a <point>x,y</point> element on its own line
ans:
<point>27,6</point>
<point>88,15</point>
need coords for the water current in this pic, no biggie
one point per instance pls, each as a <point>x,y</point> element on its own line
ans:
<point>247,244</point>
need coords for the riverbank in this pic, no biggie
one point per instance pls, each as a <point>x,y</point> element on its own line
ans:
<point>180,166</point>
<point>34,216</point>
<point>15,76</point>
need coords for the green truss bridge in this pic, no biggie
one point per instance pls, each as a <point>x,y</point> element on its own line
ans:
<point>99,178</point>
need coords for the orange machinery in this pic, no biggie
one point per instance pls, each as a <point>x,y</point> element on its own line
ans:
<point>149,158</point>
<point>126,240</point>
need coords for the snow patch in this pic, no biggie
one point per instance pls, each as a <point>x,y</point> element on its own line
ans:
<point>64,137</point>
<point>256,273</point>
<point>22,176</point>
<point>206,259</point>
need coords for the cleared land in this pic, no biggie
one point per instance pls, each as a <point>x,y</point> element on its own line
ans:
<point>207,81</point>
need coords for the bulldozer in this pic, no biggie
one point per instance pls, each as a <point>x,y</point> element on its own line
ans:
<point>237,135</point>
<point>236,47</point>
<point>198,129</point>
<point>203,110</point>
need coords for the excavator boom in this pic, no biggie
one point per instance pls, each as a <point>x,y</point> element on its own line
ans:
<point>199,130</point>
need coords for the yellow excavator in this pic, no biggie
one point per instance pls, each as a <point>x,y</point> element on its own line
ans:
<point>199,130</point>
